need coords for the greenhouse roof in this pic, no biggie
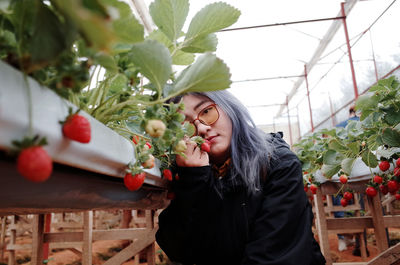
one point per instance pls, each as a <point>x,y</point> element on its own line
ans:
<point>272,42</point>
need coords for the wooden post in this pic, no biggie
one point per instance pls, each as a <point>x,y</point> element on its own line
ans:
<point>87,238</point>
<point>375,207</point>
<point>13,240</point>
<point>150,250</point>
<point>3,236</point>
<point>37,239</point>
<point>322,226</point>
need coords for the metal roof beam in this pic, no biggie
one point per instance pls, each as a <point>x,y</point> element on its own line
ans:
<point>349,4</point>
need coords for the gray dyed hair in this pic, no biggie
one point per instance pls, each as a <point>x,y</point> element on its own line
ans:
<point>250,148</point>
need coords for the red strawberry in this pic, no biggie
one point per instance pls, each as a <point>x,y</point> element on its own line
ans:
<point>35,164</point>
<point>398,162</point>
<point>77,128</point>
<point>148,145</point>
<point>384,165</point>
<point>343,178</point>
<point>384,189</point>
<point>306,188</point>
<point>392,186</point>
<point>396,171</point>
<point>134,182</point>
<point>348,195</point>
<point>397,195</point>
<point>167,174</point>
<point>371,191</point>
<point>313,188</point>
<point>378,179</point>
<point>344,202</point>
<point>135,139</point>
<point>206,146</point>
<point>176,177</point>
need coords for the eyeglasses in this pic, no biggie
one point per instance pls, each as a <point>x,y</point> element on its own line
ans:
<point>207,116</point>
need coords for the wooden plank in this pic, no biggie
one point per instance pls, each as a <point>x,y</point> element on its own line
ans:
<point>388,257</point>
<point>37,239</point>
<point>76,252</point>
<point>322,227</point>
<point>3,236</point>
<point>133,248</point>
<point>114,234</point>
<point>379,227</point>
<point>151,249</point>
<point>13,238</point>
<point>351,207</point>
<point>392,221</point>
<point>352,223</point>
<point>87,238</point>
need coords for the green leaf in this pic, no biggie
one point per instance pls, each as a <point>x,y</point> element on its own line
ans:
<point>50,36</point>
<point>94,28</point>
<point>118,83</point>
<point>182,58</point>
<point>126,27</point>
<point>154,60</point>
<point>338,146</point>
<point>391,137</point>
<point>329,170</point>
<point>330,157</point>
<point>212,18</point>
<point>354,148</point>
<point>169,16</point>
<point>106,61</point>
<point>347,165</point>
<point>160,37</point>
<point>203,44</point>
<point>369,158</point>
<point>392,115</point>
<point>208,73</point>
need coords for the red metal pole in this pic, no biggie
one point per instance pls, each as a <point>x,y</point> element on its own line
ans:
<point>308,97</point>
<point>288,115</point>
<point>353,75</point>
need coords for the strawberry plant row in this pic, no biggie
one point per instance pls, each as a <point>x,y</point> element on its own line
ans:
<point>368,148</point>
<point>96,55</point>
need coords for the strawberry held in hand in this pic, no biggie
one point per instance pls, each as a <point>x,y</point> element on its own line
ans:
<point>206,146</point>
<point>76,127</point>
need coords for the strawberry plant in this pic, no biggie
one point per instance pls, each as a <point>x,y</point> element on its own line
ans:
<point>96,54</point>
<point>375,140</point>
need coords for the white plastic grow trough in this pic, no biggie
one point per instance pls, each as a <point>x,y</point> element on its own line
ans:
<point>106,156</point>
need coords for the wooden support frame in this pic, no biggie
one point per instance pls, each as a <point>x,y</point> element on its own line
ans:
<point>374,218</point>
<point>143,239</point>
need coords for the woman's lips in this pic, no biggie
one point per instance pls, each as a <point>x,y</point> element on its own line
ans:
<point>211,139</point>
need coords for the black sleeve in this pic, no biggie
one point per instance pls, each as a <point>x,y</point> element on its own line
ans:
<point>177,221</point>
<point>281,233</point>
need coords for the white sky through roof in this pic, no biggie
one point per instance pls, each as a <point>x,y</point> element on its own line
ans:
<point>281,51</point>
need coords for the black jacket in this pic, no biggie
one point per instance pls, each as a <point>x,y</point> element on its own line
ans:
<point>213,221</point>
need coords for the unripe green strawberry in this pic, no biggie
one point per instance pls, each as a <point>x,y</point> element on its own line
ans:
<point>180,146</point>
<point>35,164</point>
<point>155,128</point>
<point>149,163</point>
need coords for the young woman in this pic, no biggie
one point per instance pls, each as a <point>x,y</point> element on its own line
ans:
<point>241,203</point>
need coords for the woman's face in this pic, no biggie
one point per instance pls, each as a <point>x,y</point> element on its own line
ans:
<point>219,133</point>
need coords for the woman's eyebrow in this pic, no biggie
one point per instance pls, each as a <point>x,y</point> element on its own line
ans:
<point>201,103</point>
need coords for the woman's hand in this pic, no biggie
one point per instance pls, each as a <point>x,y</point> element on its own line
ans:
<point>194,156</point>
